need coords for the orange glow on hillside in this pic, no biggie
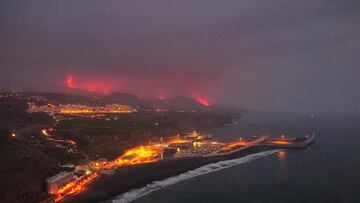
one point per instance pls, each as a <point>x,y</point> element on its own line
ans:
<point>155,88</point>
<point>161,97</point>
<point>203,101</point>
<point>161,94</point>
<point>46,133</point>
<point>103,85</point>
<point>97,86</point>
<point>70,81</point>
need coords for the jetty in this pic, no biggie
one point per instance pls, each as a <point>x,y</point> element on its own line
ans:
<point>295,143</point>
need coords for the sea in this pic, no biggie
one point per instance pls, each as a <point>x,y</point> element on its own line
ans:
<point>328,171</point>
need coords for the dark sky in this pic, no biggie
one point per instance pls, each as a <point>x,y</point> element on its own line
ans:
<point>265,54</point>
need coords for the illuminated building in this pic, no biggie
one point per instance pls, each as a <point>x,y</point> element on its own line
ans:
<point>181,145</point>
<point>82,168</point>
<point>80,109</point>
<point>55,183</point>
<point>98,164</point>
<point>198,149</point>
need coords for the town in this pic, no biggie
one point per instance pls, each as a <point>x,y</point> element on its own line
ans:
<point>193,144</point>
<point>92,137</point>
<point>68,132</point>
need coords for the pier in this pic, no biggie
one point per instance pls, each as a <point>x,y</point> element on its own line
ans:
<point>296,143</point>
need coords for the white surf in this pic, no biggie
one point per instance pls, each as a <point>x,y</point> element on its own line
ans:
<point>156,185</point>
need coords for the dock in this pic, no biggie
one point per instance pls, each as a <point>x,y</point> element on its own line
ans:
<point>297,143</point>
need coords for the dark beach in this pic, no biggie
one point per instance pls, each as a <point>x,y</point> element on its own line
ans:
<point>136,176</point>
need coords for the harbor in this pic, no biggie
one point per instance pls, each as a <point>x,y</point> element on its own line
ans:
<point>145,164</point>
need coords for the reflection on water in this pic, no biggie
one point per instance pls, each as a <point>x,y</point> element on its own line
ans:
<point>281,155</point>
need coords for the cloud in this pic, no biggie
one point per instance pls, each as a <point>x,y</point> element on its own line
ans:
<point>263,54</point>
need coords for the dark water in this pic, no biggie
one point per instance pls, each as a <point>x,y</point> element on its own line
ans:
<point>327,172</point>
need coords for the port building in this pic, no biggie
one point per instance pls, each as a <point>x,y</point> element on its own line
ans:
<point>59,181</point>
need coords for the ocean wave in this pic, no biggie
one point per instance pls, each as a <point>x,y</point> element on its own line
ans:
<point>156,185</point>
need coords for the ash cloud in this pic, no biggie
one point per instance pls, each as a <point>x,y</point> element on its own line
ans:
<point>266,55</point>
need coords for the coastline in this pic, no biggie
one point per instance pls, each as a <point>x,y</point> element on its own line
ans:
<point>136,176</point>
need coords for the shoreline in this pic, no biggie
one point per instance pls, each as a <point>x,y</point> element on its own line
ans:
<point>136,176</point>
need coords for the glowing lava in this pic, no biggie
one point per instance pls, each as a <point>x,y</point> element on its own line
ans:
<point>203,101</point>
<point>135,85</point>
<point>142,154</point>
<point>74,187</point>
<point>103,85</point>
<point>70,81</point>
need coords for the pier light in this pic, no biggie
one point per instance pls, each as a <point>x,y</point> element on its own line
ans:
<point>13,135</point>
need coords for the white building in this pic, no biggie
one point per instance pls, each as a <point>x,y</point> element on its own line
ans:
<point>59,181</point>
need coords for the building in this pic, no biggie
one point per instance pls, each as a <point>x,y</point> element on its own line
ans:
<point>98,164</point>
<point>59,181</point>
<point>80,109</point>
<point>181,145</point>
<point>83,168</point>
